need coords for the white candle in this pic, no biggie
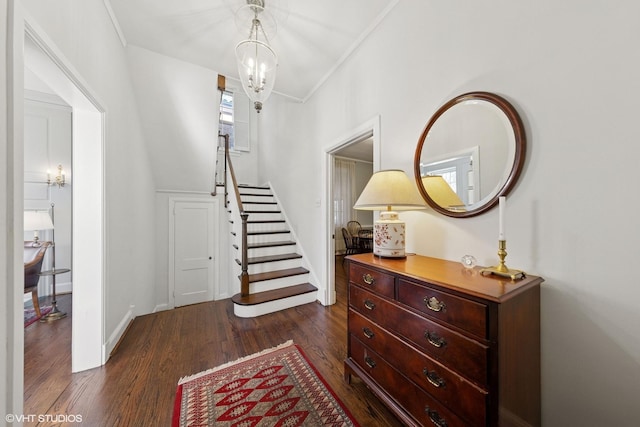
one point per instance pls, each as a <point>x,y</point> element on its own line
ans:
<point>502,203</point>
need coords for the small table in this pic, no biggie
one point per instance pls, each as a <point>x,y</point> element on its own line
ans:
<point>55,314</point>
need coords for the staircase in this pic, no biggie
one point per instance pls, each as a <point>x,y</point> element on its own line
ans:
<point>277,278</point>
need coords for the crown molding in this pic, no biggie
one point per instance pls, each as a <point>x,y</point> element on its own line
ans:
<point>365,34</point>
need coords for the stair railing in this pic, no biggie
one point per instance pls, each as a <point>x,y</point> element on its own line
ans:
<point>230,176</point>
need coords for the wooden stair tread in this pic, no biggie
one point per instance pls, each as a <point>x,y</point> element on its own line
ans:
<point>257,211</point>
<point>272,258</point>
<point>261,233</point>
<point>258,187</point>
<point>278,274</point>
<point>245,202</point>
<point>274,295</point>
<point>256,194</point>
<point>266,221</point>
<point>270,244</point>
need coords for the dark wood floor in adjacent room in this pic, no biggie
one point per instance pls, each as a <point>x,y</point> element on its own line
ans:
<point>137,385</point>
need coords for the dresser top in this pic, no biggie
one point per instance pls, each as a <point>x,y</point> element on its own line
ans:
<point>451,275</point>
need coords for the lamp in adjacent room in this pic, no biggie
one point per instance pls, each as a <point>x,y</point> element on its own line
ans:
<point>37,221</point>
<point>442,193</point>
<point>257,61</point>
<point>389,191</point>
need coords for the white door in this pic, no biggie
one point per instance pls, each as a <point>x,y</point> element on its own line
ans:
<point>193,251</point>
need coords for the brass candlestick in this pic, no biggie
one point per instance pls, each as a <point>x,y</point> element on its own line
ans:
<point>502,269</point>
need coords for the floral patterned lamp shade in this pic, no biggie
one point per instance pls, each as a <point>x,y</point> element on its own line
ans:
<point>389,191</point>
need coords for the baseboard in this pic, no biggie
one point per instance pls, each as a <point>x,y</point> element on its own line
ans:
<point>160,307</point>
<point>508,418</point>
<point>63,288</point>
<point>119,332</point>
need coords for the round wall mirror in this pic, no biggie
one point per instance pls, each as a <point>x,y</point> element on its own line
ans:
<point>470,153</point>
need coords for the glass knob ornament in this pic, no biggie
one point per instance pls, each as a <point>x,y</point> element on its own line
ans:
<point>468,261</point>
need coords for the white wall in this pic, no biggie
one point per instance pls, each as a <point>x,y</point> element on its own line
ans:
<point>179,112</point>
<point>571,70</point>
<point>83,33</point>
<point>179,116</point>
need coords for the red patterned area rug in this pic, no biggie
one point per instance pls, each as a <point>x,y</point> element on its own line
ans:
<point>31,317</point>
<point>276,387</point>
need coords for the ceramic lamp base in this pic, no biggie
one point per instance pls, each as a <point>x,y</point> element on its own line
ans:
<point>388,236</point>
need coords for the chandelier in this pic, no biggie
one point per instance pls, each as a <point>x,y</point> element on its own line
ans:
<point>257,61</point>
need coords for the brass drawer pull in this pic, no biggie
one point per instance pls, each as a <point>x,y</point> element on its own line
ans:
<point>368,333</point>
<point>370,362</point>
<point>368,279</point>
<point>435,417</point>
<point>434,339</point>
<point>369,305</point>
<point>433,304</point>
<point>433,378</point>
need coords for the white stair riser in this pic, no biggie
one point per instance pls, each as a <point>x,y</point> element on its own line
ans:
<point>282,282</point>
<point>266,226</point>
<point>265,267</point>
<point>244,191</point>
<point>259,207</point>
<point>265,216</point>
<point>272,250</point>
<point>268,238</point>
<point>247,199</point>
<point>273,306</point>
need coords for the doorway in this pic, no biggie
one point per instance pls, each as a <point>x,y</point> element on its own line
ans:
<point>362,143</point>
<point>88,244</point>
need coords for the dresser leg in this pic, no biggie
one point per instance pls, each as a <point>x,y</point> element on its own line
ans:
<point>347,374</point>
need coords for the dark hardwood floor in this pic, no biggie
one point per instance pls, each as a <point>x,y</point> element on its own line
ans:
<point>137,385</point>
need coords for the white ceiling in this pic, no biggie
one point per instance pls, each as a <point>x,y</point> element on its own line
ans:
<point>313,36</point>
<point>362,150</point>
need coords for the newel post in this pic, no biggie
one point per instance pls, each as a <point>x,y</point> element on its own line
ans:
<point>244,276</point>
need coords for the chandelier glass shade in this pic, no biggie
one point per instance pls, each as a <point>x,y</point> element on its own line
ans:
<point>257,62</point>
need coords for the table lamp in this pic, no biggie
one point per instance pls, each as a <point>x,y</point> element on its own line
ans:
<point>442,193</point>
<point>37,221</point>
<point>389,191</point>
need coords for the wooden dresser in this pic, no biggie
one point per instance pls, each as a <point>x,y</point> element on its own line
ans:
<point>444,346</point>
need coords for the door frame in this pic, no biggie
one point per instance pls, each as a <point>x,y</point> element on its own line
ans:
<point>89,241</point>
<point>372,128</point>
<point>215,233</point>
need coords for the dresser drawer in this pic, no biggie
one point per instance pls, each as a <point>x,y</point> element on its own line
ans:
<point>461,354</point>
<point>462,313</point>
<point>423,407</point>
<point>373,280</point>
<point>458,394</point>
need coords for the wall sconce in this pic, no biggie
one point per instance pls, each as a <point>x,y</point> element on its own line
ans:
<point>59,179</point>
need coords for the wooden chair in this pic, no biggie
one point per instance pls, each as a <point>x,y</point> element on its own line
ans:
<point>350,242</point>
<point>33,257</point>
<point>354,228</point>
